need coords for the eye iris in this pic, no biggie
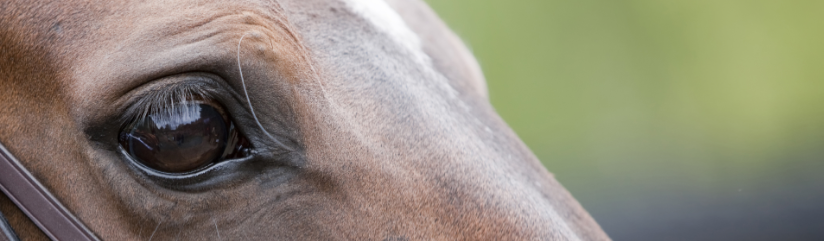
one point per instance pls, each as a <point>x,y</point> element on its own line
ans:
<point>182,139</point>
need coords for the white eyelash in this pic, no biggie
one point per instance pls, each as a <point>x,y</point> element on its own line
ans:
<point>170,107</point>
<point>174,117</point>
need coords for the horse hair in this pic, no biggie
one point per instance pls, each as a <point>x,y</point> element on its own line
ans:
<point>248,101</point>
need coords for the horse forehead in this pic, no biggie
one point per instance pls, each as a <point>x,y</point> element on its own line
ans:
<point>385,19</point>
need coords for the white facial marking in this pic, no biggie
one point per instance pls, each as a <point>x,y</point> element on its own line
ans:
<point>385,19</point>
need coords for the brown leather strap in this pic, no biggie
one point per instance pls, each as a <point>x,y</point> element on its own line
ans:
<point>37,203</point>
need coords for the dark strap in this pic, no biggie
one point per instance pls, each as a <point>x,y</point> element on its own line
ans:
<point>37,203</point>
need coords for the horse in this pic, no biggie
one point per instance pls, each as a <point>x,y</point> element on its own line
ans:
<point>266,119</point>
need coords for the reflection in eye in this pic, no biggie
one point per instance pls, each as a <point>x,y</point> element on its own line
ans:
<point>183,138</point>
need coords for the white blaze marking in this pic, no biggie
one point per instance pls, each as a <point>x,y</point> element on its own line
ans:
<point>385,19</point>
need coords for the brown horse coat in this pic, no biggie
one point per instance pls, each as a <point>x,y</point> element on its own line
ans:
<point>381,123</point>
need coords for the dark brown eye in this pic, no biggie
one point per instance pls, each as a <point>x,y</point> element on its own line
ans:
<point>182,138</point>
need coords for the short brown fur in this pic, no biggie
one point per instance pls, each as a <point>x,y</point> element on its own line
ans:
<point>384,147</point>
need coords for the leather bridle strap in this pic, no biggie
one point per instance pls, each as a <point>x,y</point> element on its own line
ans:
<point>6,233</point>
<point>37,203</point>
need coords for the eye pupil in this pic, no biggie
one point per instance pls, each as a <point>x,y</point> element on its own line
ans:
<point>181,139</point>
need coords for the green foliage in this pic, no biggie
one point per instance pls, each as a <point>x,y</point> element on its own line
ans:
<point>623,98</point>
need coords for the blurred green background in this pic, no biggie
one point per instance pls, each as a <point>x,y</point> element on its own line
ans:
<point>666,119</point>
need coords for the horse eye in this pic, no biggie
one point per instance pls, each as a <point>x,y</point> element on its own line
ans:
<point>184,138</point>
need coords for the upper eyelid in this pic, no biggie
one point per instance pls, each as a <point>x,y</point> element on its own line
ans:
<point>164,94</point>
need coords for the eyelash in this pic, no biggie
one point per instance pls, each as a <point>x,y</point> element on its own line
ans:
<point>165,99</point>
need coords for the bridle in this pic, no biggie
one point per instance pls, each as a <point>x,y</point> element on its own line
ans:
<point>37,203</point>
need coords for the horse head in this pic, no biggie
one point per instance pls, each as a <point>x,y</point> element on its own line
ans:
<point>266,119</point>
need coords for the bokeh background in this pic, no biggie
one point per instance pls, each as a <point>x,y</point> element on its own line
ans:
<point>666,119</point>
